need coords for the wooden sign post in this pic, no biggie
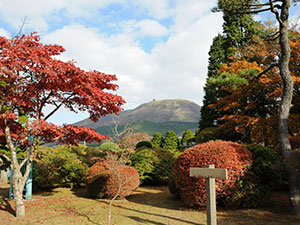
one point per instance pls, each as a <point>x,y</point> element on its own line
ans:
<point>210,173</point>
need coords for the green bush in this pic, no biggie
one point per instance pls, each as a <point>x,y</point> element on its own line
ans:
<point>257,184</point>
<point>146,144</point>
<point>111,146</point>
<point>154,165</point>
<point>144,162</point>
<point>157,140</point>
<point>187,137</point>
<point>164,166</point>
<point>58,167</point>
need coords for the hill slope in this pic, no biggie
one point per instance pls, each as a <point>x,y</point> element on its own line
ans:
<point>155,116</point>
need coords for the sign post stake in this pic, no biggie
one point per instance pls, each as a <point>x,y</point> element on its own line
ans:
<point>210,173</point>
<point>211,199</point>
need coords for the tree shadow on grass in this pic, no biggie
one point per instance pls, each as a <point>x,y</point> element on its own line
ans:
<point>156,196</point>
<point>80,192</point>
<point>151,214</point>
<point>144,221</point>
<point>4,202</point>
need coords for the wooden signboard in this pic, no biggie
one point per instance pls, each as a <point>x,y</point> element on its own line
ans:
<point>210,173</point>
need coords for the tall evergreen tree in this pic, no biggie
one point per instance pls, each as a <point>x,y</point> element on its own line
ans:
<point>157,140</point>
<point>237,31</point>
<point>171,140</point>
<point>187,137</point>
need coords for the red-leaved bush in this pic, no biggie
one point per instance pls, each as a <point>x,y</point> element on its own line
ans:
<point>223,154</point>
<point>107,176</point>
<point>294,141</point>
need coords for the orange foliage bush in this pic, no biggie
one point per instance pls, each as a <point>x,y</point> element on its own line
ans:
<point>106,176</point>
<point>223,154</point>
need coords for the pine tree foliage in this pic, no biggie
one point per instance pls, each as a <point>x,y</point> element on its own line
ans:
<point>237,31</point>
<point>171,140</point>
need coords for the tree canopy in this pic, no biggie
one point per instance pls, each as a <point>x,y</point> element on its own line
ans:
<point>31,79</point>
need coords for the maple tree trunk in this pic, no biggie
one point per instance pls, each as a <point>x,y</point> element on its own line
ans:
<point>18,188</point>
<point>286,100</point>
<point>18,181</point>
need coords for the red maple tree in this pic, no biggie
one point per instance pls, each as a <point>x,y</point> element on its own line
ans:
<point>32,78</point>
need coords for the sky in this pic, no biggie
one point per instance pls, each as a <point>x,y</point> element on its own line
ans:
<point>158,49</point>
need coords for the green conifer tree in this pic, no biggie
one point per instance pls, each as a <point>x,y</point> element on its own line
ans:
<point>171,140</point>
<point>238,30</point>
<point>187,137</point>
<point>157,140</point>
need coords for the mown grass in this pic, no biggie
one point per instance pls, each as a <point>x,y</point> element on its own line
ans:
<point>147,205</point>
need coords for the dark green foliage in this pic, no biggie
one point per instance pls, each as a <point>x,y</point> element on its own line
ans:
<point>157,140</point>
<point>146,144</point>
<point>217,56</point>
<point>238,30</point>
<point>260,179</point>
<point>187,137</point>
<point>164,166</point>
<point>170,141</point>
<point>208,134</point>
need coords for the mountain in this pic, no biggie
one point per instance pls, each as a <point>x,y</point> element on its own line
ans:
<point>155,116</point>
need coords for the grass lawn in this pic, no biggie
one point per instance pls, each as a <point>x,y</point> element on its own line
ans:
<point>147,205</point>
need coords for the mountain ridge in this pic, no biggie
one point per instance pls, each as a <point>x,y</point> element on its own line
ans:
<point>156,111</point>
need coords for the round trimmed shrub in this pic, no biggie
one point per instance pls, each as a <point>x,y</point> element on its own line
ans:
<point>164,166</point>
<point>223,154</point>
<point>105,178</point>
<point>144,162</point>
<point>111,146</point>
<point>141,144</point>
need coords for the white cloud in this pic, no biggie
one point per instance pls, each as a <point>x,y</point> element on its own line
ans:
<point>172,69</point>
<point>151,28</point>
<point>4,33</point>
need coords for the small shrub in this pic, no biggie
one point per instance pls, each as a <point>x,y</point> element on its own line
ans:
<point>105,178</point>
<point>164,166</point>
<point>223,154</point>
<point>111,146</point>
<point>144,162</point>
<point>146,144</point>
<point>58,167</point>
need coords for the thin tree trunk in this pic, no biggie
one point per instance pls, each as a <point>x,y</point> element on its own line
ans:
<point>18,181</point>
<point>18,188</point>
<point>286,100</point>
